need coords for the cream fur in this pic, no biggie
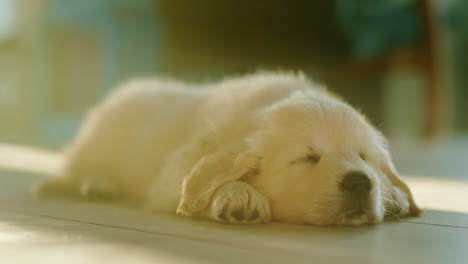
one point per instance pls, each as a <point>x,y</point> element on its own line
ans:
<point>234,151</point>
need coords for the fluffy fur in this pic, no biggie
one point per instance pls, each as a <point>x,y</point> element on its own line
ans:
<point>268,146</point>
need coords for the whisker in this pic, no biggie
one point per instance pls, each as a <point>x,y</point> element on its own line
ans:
<point>395,216</point>
<point>393,203</point>
<point>397,205</point>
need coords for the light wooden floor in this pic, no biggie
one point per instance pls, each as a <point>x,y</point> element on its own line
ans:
<point>33,231</point>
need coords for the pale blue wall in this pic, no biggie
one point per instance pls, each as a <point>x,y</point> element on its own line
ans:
<point>127,36</point>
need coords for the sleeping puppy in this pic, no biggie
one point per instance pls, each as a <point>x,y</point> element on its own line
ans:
<point>264,147</point>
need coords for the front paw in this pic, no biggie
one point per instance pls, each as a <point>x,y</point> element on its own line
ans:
<point>239,203</point>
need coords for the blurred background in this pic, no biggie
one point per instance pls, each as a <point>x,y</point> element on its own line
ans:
<point>402,62</point>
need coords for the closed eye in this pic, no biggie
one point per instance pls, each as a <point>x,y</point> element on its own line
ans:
<point>310,158</point>
<point>363,156</point>
<point>315,158</point>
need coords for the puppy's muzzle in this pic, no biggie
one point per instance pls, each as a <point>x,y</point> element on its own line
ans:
<point>356,183</point>
<point>356,187</point>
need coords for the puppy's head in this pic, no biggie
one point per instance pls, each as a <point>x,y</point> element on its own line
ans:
<point>322,163</point>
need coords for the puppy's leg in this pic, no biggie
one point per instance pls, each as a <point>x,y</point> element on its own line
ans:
<point>80,182</point>
<point>57,186</point>
<point>99,187</point>
<point>239,203</point>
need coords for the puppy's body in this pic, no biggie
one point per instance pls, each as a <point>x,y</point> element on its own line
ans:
<point>235,151</point>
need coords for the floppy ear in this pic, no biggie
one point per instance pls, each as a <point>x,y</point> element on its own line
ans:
<point>389,169</point>
<point>211,172</point>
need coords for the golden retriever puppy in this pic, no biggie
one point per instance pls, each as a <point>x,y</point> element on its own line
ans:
<point>268,146</point>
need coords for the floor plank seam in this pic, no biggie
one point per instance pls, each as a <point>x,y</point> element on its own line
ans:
<point>277,251</point>
<point>432,224</point>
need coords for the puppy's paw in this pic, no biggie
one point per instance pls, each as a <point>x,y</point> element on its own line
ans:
<point>54,187</point>
<point>99,189</point>
<point>92,188</point>
<point>239,203</point>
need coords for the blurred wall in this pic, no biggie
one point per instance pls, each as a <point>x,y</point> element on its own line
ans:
<point>68,54</point>
<point>63,56</point>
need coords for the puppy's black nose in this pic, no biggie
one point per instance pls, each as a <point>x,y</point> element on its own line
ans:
<point>357,183</point>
